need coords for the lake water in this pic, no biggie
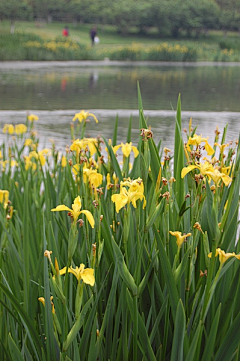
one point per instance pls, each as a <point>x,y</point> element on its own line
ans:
<point>56,91</point>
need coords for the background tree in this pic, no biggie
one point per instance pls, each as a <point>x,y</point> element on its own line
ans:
<point>15,10</point>
<point>144,16</point>
<point>169,17</point>
<point>124,15</point>
<point>200,15</point>
<point>230,15</point>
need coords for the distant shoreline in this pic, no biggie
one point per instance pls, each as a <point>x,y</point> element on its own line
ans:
<point>93,63</point>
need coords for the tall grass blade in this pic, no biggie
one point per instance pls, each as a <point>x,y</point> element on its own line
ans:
<point>179,332</point>
<point>211,339</point>
<point>15,353</point>
<point>27,322</point>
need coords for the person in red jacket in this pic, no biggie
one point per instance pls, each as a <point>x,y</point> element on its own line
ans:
<point>65,31</point>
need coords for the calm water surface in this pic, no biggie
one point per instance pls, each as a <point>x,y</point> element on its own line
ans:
<point>210,95</point>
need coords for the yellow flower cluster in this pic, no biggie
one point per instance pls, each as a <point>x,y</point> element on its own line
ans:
<point>18,129</point>
<point>84,145</point>
<point>169,48</point>
<point>3,164</point>
<point>130,192</point>
<point>197,140</point>
<point>134,47</point>
<point>227,52</point>
<point>38,156</point>
<point>33,44</point>
<point>209,167</point>
<point>90,175</point>
<point>52,45</point>
<point>136,51</point>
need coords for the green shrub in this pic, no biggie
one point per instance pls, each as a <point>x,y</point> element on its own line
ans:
<point>21,46</point>
<point>162,52</point>
<point>58,49</point>
<point>227,55</point>
<point>229,44</point>
<point>131,52</point>
<point>166,52</point>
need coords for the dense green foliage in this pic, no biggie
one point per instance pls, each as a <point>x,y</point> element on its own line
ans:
<point>28,46</point>
<point>20,46</point>
<point>170,17</point>
<point>157,283</point>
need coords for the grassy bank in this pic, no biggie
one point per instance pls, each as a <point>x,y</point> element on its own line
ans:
<point>41,41</point>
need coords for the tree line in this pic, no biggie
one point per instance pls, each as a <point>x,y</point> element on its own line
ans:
<point>169,17</point>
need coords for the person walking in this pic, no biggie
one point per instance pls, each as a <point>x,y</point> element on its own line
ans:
<point>93,33</point>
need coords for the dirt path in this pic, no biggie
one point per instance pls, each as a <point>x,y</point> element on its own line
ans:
<point>62,64</point>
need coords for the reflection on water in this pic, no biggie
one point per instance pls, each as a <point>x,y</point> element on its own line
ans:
<point>56,125</point>
<point>210,95</point>
<point>212,88</point>
<point>93,80</point>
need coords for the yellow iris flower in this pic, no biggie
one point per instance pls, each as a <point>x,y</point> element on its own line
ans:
<point>92,176</point>
<point>126,149</point>
<point>29,163</point>
<point>80,145</point>
<point>134,192</point>
<point>4,163</point>
<point>28,142</point>
<point>180,238</point>
<point>223,257</point>
<point>76,169</point>
<point>75,211</point>
<point>20,129</point>
<point>32,117</point>
<point>208,169</point>
<point>13,163</point>
<point>226,170</point>
<point>202,167</point>
<point>63,161</point>
<point>197,140</point>
<point>4,196</point>
<point>8,128</point>
<point>120,199</point>
<point>133,184</point>
<point>83,116</point>
<point>40,155</point>
<point>221,146</point>
<point>81,273</point>
<point>217,176</point>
